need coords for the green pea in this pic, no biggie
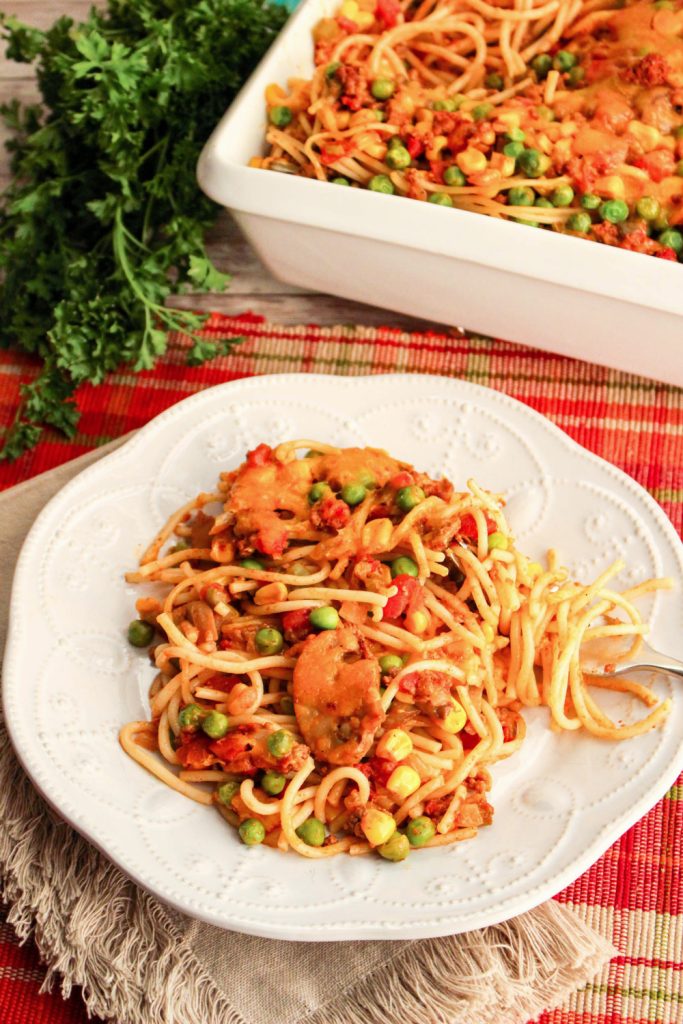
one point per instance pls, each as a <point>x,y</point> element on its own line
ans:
<point>580,221</point>
<point>666,5</point>
<point>379,115</point>
<point>398,158</point>
<point>454,176</point>
<point>497,540</point>
<point>332,69</point>
<point>280,116</point>
<point>312,454</point>
<point>648,208</point>
<point>181,545</point>
<point>381,183</point>
<point>408,498</point>
<point>449,105</point>
<point>672,239</point>
<point>190,716</point>
<point>353,494</point>
<point>312,832</point>
<point>390,663</point>
<point>543,203</point>
<point>678,131</point>
<point>395,141</point>
<point>318,491</point>
<point>340,181</point>
<point>576,76</point>
<point>541,64</point>
<point>252,832</point>
<point>420,830</point>
<point>403,566</point>
<point>614,210</point>
<point>251,563</point>
<point>300,569</point>
<point>533,163</point>
<point>140,633</point>
<point>215,725</point>
<point>395,849</point>
<point>679,168</point>
<point>564,60</point>
<point>280,743</point>
<point>661,221</point>
<point>482,111</point>
<point>526,223</point>
<point>269,640</point>
<point>545,113</point>
<point>273,783</point>
<point>513,149</point>
<point>515,135</point>
<point>494,81</point>
<point>563,195</point>
<point>440,199</point>
<point>521,196</point>
<point>287,705</point>
<point>326,617</point>
<point>382,88</point>
<point>590,201</point>
<point>227,791</point>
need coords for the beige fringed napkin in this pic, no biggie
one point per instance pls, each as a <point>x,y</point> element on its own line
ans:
<point>139,962</point>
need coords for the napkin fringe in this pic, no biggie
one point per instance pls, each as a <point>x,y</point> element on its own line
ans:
<point>514,970</point>
<point>131,962</point>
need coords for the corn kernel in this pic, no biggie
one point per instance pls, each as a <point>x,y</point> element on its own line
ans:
<point>455,719</point>
<point>509,118</point>
<point>270,594</point>
<point>498,540</point>
<point>544,143</point>
<point>275,94</point>
<point>487,630</point>
<point>487,177</point>
<point>647,135</point>
<point>562,151</point>
<point>364,20</point>
<point>377,826</point>
<point>376,535</point>
<point>416,622</point>
<point>612,186</point>
<point>349,9</point>
<point>403,781</point>
<point>395,745</point>
<point>535,568</point>
<point>471,161</point>
<point>567,128</point>
<point>433,152</point>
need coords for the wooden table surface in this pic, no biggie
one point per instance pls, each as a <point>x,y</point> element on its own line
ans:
<point>253,287</point>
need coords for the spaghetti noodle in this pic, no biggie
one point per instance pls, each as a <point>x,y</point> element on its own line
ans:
<point>346,645</point>
<point>566,114</point>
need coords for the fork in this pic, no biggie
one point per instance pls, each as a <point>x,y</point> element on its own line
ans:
<point>647,659</point>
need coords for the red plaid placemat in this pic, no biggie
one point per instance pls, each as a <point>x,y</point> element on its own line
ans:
<point>635,891</point>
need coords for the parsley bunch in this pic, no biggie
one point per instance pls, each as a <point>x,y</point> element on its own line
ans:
<point>104,219</point>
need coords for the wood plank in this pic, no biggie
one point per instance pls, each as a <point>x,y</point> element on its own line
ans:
<point>37,14</point>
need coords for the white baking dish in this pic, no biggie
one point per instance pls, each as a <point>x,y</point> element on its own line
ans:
<point>556,292</point>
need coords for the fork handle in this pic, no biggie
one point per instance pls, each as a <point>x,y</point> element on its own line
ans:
<point>661,662</point>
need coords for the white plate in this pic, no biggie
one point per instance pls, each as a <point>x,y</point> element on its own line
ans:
<point>71,679</point>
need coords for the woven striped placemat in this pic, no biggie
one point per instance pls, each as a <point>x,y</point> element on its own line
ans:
<point>635,891</point>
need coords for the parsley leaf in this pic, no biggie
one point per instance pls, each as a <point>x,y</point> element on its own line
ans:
<point>103,220</point>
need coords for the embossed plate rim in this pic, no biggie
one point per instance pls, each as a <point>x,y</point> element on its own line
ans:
<point>369,923</point>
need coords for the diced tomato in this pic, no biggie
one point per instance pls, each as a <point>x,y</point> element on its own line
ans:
<point>659,164</point>
<point>404,479</point>
<point>414,146</point>
<point>260,456</point>
<point>387,11</point>
<point>297,624</point>
<point>346,25</point>
<point>222,682</point>
<point>468,527</point>
<point>406,586</point>
<point>193,751</point>
<point>666,254</point>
